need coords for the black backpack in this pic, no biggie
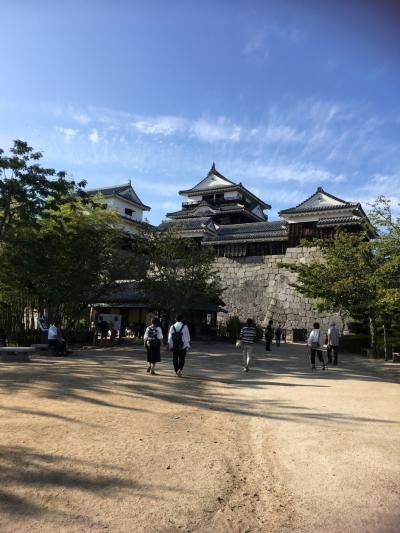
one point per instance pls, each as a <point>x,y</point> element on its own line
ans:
<point>152,336</point>
<point>177,338</point>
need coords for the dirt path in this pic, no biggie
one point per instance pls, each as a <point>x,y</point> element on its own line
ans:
<point>93,443</point>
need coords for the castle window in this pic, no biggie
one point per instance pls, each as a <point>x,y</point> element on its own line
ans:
<point>128,212</point>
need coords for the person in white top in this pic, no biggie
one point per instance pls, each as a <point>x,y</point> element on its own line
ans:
<point>152,341</point>
<point>315,343</point>
<point>179,342</point>
<point>333,344</point>
<point>57,343</point>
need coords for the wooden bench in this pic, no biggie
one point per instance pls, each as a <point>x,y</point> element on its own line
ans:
<point>15,353</point>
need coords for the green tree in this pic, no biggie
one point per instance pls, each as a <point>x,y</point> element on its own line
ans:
<point>27,189</point>
<point>180,272</point>
<point>388,250</point>
<point>64,261</point>
<point>344,277</point>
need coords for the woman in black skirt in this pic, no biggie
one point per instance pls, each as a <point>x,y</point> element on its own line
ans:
<point>152,341</point>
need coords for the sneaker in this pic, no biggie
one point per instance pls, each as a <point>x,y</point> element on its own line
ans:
<point>179,373</point>
<point>152,373</point>
<point>148,369</point>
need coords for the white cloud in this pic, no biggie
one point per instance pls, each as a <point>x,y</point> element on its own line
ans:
<point>94,136</point>
<point>68,133</point>
<point>219,130</point>
<point>159,126</point>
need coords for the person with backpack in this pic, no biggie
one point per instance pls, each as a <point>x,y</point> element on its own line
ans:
<point>315,343</point>
<point>152,341</point>
<point>179,342</point>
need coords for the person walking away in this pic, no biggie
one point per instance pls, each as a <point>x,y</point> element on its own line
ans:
<point>57,344</point>
<point>269,335</point>
<point>152,341</point>
<point>179,342</point>
<point>278,335</point>
<point>247,335</point>
<point>103,326</point>
<point>333,344</point>
<point>315,345</point>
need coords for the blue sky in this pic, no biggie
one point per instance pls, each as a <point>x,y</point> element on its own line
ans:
<point>283,95</point>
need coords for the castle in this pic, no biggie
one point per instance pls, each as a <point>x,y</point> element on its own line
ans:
<point>225,215</point>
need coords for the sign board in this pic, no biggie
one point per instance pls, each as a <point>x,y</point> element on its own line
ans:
<point>111,319</point>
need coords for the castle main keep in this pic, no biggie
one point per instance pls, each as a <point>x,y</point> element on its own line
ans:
<point>225,215</point>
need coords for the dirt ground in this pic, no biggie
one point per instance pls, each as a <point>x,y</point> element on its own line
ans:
<point>94,443</point>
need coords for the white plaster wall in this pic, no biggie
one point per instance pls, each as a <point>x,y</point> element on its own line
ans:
<point>120,206</point>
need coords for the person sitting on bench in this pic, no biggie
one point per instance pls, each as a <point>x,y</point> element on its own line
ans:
<point>57,344</point>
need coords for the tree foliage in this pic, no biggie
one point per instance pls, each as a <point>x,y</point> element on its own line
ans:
<point>388,250</point>
<point>58,249</point>
<point>356,276</point>
<point>28,191</point>
<point>180,272</point>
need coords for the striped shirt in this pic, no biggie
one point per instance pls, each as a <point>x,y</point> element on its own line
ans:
<point>247,334</point>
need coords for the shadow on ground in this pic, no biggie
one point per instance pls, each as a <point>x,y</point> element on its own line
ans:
<point>213,380</point>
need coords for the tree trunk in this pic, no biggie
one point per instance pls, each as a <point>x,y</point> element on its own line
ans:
<point>372,334</point>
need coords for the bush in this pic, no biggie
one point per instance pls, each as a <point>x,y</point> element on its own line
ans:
<point>356,343</point>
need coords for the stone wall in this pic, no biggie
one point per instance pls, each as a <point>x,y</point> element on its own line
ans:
<point>256,288</point>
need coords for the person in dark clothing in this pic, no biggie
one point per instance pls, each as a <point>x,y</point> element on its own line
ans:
<point>278,335</point>
<point>269,335</point>
<point>179,342</point>
<point>103,327</point>
<point>152,340</point>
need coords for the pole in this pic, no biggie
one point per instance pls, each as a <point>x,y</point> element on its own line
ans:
<point>384,337</point>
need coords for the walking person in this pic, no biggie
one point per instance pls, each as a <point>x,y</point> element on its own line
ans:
<point>269,335</point>
<point>315,344</point>
<point>152,341</point>
<point>247,335</point>
<point>179,342</point>
<point>278,335</point>
<point>333,344</point>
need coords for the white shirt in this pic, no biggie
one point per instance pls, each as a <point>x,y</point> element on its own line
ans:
<point>315,336</point>
<point>52,333</point>
<point>185,334</point>
<point>158,330</point>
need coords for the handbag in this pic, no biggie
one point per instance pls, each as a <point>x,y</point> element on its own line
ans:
<point>239,344</point>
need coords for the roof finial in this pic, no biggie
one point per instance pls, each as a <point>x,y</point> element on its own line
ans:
<point>213,167</point>
<point>129,181</point>
<point>320,189</point>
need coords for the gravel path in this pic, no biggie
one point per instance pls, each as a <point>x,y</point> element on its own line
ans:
<point>93,443</point>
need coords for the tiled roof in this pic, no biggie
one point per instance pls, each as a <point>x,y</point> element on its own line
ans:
<point>198,187</point>
<point>316,209</point>
<point>339,221</point>
<point>225,209</point>
<point>258,231</point>
<point>199,223</point>
<point>125,191</point>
